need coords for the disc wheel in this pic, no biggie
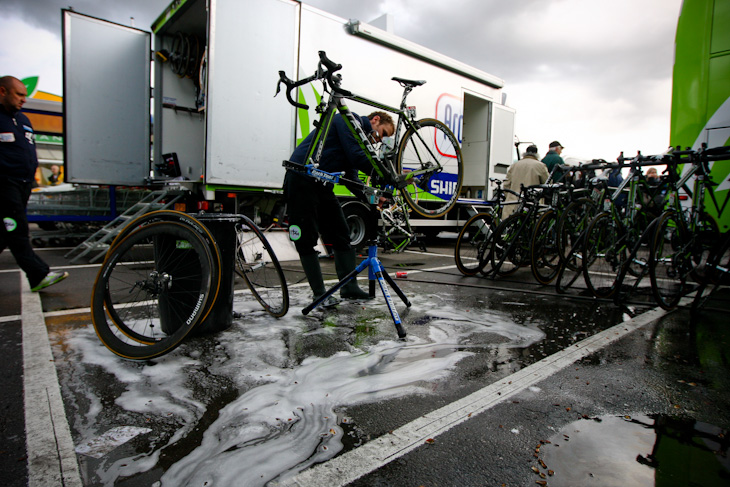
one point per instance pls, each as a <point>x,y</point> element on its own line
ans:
<point>473,246</point>
<point>432,155</point>
<point>258,266</point>
<point>152,290</point>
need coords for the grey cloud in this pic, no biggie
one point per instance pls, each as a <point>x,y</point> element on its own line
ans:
<point>46,14</point>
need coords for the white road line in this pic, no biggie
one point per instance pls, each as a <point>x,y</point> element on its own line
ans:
<point>356,463</point>
<point>51,455</point>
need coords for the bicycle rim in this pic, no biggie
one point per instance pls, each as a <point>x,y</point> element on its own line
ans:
<point>604,254</point>
<point>474,244</point>
<point>670,263</point>
<point>432,145</point>
<point>718,274</point>
<point>544,253</point>
<point>258,266</point>
<point>507,249</point>
<point>152,290</point>
<point>569,270</point>
<point>635,268</point>
<point>572,225</point>
<point>194,224</point>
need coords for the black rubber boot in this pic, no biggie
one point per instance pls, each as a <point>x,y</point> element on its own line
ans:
<point>313,271</point>
<point>345,263</point>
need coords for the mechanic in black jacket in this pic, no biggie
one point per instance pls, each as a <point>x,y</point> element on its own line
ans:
<point>314,209</point>
<point>18,164</point>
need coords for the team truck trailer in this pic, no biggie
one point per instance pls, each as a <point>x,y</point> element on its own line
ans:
<point>211,125</point>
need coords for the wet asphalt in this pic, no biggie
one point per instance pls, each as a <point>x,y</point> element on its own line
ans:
<point>499,382</point>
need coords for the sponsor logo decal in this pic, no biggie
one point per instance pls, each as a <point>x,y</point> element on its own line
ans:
<point>295,233</point>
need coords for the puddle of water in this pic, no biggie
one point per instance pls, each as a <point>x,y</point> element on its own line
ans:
<point>637,451</point>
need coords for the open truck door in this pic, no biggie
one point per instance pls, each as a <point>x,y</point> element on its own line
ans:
<point>106,102</point>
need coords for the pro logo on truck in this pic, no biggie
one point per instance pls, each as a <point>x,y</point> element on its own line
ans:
<point>450,110</point>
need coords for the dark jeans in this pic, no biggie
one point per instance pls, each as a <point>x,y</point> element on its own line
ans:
<point>14,232</point>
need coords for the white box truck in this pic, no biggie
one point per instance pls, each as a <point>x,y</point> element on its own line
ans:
<point>215,66</point>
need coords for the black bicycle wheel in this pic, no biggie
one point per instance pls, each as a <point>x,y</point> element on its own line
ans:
<point>572,225</point>
<point>671,260</point>
<point>194,224</point>
<point>604,254</point>
<point>432,148</point>
<point>706,240</point>
<point>152,290</point>
<point>511,246</point>
<point>718,274</point>
<point>473,246</point>
<point>544,252</point>
<point>570,268</point>
<point>258,266</point>
<point>635,267</point>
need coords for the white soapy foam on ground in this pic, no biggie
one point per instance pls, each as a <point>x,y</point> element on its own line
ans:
<point>285,419</point>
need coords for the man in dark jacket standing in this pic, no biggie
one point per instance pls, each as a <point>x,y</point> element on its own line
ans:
<point>18,164</point>
<point>314,209</point>
<point>552,159</point>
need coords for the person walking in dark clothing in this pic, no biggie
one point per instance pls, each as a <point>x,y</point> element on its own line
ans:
<point>18,164</point>
<point>314,209</point>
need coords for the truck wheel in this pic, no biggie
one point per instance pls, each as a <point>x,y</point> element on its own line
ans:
<point>360,221</point>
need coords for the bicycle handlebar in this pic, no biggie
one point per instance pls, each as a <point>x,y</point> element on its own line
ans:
<point>326,69</point>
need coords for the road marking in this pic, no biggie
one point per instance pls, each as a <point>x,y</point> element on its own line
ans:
<point>51,455</point>
<point>356,463</point>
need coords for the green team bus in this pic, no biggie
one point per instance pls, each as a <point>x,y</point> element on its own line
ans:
<point>701,90</point>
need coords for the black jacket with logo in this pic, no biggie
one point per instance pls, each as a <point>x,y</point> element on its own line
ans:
<point>18,159</point>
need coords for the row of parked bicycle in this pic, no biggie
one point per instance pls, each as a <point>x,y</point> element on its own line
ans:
<point>613,236</point>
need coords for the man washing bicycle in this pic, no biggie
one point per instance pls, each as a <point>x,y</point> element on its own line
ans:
<point>314,209</point>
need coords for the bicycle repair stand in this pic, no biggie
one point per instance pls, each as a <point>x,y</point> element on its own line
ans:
<point>376,273</point>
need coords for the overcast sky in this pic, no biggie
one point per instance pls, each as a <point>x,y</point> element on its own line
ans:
<point>593,74</point>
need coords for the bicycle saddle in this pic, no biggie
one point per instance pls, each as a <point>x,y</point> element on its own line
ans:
<point>409,82</point>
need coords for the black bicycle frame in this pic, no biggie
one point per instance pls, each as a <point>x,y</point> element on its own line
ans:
<point>337,105</point>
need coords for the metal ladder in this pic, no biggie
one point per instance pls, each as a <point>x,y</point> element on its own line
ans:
<point>99,241</point>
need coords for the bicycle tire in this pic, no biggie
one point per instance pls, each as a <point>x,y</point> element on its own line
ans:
<point>544,252</point>
<point>152,290</point>
<point>707,238</point>
<point>670,264</point>
<point>572,224</point>
<point>186,219</point>
<point>718,274</point>
<point>636,265</point>
<point>257,264</point>
<point>603,255</point>
<point>571,268</point>
<point>473,246</point>
<point>508,253</point>
<point>431,195</point>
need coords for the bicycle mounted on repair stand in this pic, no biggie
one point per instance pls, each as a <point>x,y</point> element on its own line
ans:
<point>423,164</point>
<point>422,161</point>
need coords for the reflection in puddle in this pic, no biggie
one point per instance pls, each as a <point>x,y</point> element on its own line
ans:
<point>638,451</point>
